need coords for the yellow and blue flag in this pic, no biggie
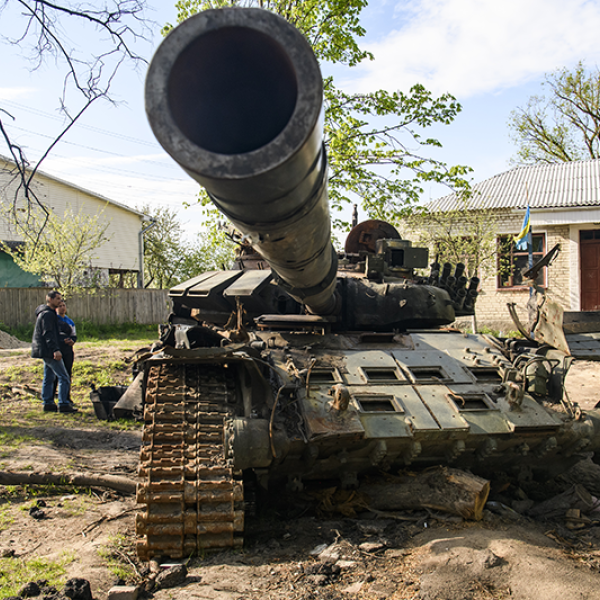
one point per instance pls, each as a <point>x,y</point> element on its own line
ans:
<point>521,239</point>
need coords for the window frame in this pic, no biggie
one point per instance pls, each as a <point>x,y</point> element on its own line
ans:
<point>515,253</point>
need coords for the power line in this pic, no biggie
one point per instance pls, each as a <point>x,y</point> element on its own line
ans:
<point>91,165</point>
<point>77,124</point>
<point>154,162</point>
<point>100,182</point>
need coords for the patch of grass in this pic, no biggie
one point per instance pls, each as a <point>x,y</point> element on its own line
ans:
<point>89,332</point>
<point>119,557</point>
<point>484,329</point>
<point>36,413</point>
<point>75,506</point>
<point>21,332</point>
<point>85,372</point>
<point>498,333</point>
<point>14,440</point>
<point>117,365</point>
<point>24,493</point>
<point>15,572</point>
<point>18,353</point>
<point>6,518</point>
<point>15,373</point>
<point>125,425</point>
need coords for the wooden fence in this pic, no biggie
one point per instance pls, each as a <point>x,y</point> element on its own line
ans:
<point>17,306</point>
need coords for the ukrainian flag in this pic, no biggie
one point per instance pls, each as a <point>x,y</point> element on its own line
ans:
<point>521,239</point>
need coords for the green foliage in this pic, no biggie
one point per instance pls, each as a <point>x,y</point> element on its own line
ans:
<point>485,330</point>
<point>75,505</point>
<point>461,234</point>
<point>116,554</point>
<point>163,248</point>
<point>564,124</point>
<point>86,372</point>
<point>6,518</point>
<point>15,572</point>
<point>60,250</point>
<point>370,137</point>
<point>23,493</point>
<point>14,373</point>
<point>170,259</point>
<point>21,332</point>
<point>374,161</point>
<point>92,332</point>
<point>213,250</point>
<point>330,26</point>
<point>15,439</point>
<point>503,334</point>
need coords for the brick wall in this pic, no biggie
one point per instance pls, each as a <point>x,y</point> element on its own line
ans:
<point>491,308</point>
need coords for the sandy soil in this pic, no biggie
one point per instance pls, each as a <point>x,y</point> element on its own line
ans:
<point>291,552</point>
<point>8,341</point>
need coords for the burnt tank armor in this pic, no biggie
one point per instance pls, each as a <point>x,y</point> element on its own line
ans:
<point>301,363</point>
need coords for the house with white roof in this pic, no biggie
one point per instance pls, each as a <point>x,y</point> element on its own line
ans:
<point>564,201</point>
<point>119,255</point>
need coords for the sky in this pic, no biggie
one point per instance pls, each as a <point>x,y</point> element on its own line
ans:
<point>492,56</point>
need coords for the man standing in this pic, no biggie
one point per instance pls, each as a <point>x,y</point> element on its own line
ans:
<point>46,345</point>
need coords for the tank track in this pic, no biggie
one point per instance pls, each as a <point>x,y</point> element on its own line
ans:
<point>193,500</point>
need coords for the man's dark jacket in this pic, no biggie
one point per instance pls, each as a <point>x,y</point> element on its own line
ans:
<point>46,334</point>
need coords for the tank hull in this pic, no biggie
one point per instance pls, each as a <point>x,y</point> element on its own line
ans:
<point>308,406</point>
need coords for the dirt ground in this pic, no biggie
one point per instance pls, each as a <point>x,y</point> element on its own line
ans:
<point>291,551</point>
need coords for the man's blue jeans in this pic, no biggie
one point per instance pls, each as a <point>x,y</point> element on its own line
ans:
<point>54,369</point>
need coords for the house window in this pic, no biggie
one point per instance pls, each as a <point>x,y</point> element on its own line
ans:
<point>592,234</point>
<point>512,262</point>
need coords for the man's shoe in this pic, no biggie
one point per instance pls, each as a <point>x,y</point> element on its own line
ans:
<point>50,407</point>
<point>67,409</point>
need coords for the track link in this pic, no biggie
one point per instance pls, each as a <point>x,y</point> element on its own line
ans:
<point>191,498</point>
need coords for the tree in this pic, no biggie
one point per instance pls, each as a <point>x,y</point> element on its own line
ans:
<point>369,136</point>
<point>213,250</point>
<point>61,251</point>
<point>110,32</point>
<point>170,259</point>
<point>564,124</point>
<point>461,234</point>
<point>163,252</point>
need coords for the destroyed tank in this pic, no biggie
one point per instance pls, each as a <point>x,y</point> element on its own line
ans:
<point>302,363</point>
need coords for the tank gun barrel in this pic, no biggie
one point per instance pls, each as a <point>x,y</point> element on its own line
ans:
<point>235,97</point>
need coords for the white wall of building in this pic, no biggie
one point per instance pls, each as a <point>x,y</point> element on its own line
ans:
<point>121,251</point>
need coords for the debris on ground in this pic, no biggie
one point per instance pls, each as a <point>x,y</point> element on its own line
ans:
<point>293,550</point>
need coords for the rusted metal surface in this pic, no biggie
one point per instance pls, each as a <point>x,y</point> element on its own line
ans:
<point>549,329</point>
<point>191,497</point>
<point>363,237</point>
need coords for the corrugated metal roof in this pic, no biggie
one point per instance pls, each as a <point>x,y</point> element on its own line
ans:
<point>556,185</point>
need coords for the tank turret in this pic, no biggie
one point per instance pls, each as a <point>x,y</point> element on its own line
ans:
<point>236,98</point>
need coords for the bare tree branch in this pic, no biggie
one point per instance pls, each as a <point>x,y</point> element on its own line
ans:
<point>116,26</point>
<point>564,125</point>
